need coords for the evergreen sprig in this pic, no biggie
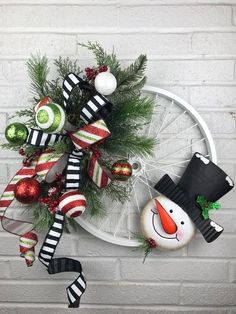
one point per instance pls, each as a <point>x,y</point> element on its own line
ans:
<point>38,71</point>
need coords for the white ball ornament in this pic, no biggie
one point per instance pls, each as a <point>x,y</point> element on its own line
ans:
<point>51,118</point>
<point>72,203</point>
<point>105,83</point>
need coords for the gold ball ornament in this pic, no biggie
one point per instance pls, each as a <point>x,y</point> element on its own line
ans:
<point>16,133</point>
<point>121,170</point>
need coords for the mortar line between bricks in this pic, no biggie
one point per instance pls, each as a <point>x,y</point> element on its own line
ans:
<point>111,306</point>
<point>6,258</point>
<point>188,57</point>
<point>120,2</point>
<point>181,83</point>
<point>116,30</point>
<point>123,3</point>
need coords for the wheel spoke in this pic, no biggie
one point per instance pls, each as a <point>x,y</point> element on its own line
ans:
<point>176,135</point>
<point>172,122</point>
<point>166,112</point>
<point>182,149</point>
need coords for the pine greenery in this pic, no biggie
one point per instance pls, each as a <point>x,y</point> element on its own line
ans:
<point>130,113</point>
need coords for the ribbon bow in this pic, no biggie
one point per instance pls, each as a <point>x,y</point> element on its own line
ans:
<point>206,206</point>
<point>95,131</point>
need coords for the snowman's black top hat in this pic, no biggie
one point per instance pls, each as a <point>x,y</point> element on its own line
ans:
<point>201,178</point>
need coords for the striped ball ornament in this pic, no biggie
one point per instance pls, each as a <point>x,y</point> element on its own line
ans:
<point>51,118</point>
<point>72,203</point>
<point>121,170</point>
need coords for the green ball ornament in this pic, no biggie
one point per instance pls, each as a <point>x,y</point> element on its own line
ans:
<point>121,170</point>
<point>16,133</point>
<point>50,118</point>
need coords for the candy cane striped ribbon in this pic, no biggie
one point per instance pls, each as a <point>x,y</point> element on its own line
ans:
<point>73,170</point>
<point>98,107</point>
<point>97,172</point>
<point>58,265</point>
<point>27,247</point>
<point>90,134</point>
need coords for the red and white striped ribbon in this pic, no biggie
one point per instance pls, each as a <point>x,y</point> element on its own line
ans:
<point>97,172</point>
<point>90,134</point>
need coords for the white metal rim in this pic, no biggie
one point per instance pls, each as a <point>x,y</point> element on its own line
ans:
<point>211,151</point>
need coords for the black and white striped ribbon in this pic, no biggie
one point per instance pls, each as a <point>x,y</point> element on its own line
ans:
<point>73,170</point>
<point>58,265</point>
<point>98,107</point>
<point>41,139</point>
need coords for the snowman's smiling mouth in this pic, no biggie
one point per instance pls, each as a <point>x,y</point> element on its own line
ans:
<point>160,235</point>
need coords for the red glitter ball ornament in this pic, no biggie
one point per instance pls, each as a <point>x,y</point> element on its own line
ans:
<point>27,191</point>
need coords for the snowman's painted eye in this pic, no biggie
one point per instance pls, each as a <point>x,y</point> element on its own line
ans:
<point>182,222</point>
<point>171,211</point>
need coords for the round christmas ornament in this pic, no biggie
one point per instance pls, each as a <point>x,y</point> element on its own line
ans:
<point>105,83</point>
<point>121,170</point>
<point>167,224</point>
<point>16,133</point>
<point>27,191</point>
<point>51,118</point>
<point>72,203</point>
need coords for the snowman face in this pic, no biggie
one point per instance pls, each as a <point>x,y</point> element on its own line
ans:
<point>166,223</point>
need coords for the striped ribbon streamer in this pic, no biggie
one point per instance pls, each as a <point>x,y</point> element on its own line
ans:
<point>97,172</point>
<point>17,227</point>
<point>58,265</point>
<point>41,139</point>
<point>98,107</point>
<point>73,170</point>
<point>27,247</point>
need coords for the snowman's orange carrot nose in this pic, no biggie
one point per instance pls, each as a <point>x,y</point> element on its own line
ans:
<point>167,222</point>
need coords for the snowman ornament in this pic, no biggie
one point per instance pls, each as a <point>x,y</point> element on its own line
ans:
<point>167,224</point>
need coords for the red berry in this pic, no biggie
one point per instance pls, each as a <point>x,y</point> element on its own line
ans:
<point>26,163</point>
<point>103,68</point>
<point>21,151</point>
<point>152,243</point>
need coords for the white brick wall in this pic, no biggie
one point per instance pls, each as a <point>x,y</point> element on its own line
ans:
<point>191,45</point>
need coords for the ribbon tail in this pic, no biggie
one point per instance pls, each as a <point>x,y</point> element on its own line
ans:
<point>58,265</point>
<point>99,174</point>
<point>28,242</point>
<point>17,227</point>
<point>73,170</point>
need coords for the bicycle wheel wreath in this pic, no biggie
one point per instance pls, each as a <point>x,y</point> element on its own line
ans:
<point>76,140</point>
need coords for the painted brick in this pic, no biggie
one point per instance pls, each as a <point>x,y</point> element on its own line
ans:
<point>226,148</point>
<point>209,294</point>
<point>213,96</point>
<point>220,123</point>
<point>214,43</point>
<point>86,309</point>
<point>189,70</point>
<point>95,269</point>
<point>119,293</point>
<point>60,16</point>
<point>174,270</point>
<point>167,44</point>
<point>21,44</point>
<point>223,247</point>
<point>174,16</point>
